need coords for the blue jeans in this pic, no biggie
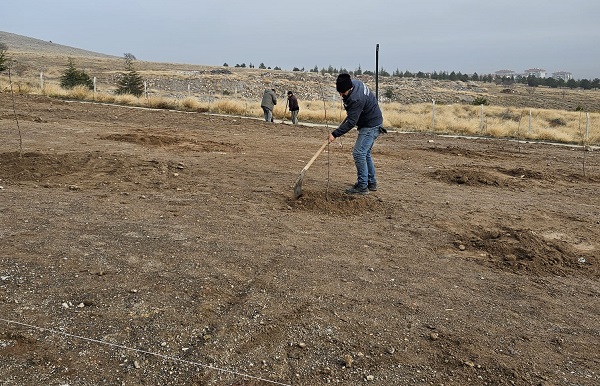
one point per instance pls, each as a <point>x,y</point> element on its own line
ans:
<point>365,170</point>
<point>268,114</point>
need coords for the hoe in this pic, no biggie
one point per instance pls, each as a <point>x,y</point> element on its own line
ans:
<point>298,185</point>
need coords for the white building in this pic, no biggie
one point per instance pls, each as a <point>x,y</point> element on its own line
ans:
<point>505,73</point>
<point>564,75</point>
<point>537,72</point>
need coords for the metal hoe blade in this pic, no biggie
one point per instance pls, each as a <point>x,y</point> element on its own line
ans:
<point>298,185</point>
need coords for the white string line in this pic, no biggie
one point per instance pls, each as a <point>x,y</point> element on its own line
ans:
<point>144,352</point>
<point>328,143</point>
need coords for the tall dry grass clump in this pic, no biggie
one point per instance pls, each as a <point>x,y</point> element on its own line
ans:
<point>53,90</point>
<point>229,107</point>
<point>407,117</point>
<point>160,103</point>
<point>192,104</point>
<point>496,121</point>
<point>18,87</point>
<point>318,111</point>
<point>104,98</point>
<point>82,93</point>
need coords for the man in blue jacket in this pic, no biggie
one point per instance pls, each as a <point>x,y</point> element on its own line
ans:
<point>362,111</point>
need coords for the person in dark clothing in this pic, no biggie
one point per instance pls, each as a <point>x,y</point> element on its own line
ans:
<point>269,100</point>
<point>294,108</point>
<point>362,111</point>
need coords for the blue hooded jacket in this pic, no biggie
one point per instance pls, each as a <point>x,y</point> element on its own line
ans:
<point>362,109</point>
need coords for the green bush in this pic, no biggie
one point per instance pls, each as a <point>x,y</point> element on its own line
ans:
<point>3,57</point>
<point>73,77</point>
<point>480,101</point>
<point>130,82</point>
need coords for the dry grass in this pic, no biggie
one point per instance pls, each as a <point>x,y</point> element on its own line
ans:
<point>19,87</point>
<point>495,121</point>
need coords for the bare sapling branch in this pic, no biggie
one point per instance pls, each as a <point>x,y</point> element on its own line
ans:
<point>12,94</point>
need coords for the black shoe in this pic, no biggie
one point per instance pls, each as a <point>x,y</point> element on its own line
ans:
<point>356,189</point>
<point>372,187</point>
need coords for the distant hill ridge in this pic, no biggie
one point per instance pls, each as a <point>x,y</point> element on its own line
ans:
<point>19,43</point>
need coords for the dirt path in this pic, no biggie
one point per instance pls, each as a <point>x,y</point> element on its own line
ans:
<point>476,262</point>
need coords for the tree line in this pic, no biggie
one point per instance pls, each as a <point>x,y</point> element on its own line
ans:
<point>530,80</point>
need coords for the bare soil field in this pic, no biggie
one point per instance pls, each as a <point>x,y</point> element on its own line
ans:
<point>154,247</point>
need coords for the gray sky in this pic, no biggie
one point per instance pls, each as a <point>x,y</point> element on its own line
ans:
<point>426,35</point>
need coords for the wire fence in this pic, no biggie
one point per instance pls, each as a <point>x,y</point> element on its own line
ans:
<point>574,127</point>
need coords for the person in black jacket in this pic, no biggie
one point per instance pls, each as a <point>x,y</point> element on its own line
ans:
<point>294,108</point>
<point>362,111</point>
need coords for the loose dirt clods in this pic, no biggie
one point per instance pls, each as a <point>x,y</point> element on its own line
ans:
<point>176,242</point>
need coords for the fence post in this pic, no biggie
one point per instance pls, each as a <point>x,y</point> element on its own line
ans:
<point>587,127</point>
<point>433,115</point>
<point>189,92</point>
<point>42,80</point>
<point>529,121</point>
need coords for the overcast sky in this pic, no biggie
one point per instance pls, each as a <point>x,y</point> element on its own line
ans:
<point>420,35</point>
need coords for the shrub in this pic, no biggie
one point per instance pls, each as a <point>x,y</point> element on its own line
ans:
<point>480,101</point>
<point>3,58</point>
<point>73,77</point>
<point>557,122</point>
<point>130,82</point>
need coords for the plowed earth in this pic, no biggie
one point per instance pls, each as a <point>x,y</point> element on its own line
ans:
<point>153,247</point>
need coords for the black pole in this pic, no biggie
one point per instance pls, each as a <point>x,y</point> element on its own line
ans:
<point>377,72</point>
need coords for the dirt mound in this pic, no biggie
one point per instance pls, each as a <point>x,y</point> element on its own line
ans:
<point>491,176</point>
<point>337,203</point>
<point>526,251</point>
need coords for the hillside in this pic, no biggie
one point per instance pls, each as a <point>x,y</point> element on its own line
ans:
<point>23,44</point>
<point>177,80</point>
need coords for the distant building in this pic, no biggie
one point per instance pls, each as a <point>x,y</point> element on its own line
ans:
<point>564,75</point>
<point>505,74</point>
<point>537,72</point>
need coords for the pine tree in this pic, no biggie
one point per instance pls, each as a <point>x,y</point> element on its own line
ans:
<point>130,82</point>
<point>3,58</point>
<point>72,77</point>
